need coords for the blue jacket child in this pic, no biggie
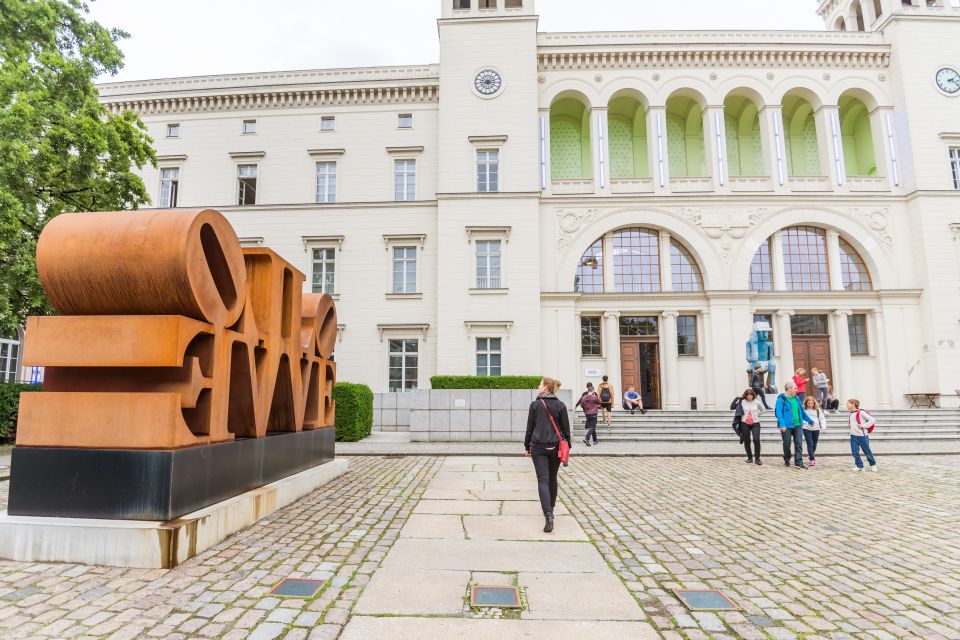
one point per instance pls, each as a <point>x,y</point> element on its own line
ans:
<point>790,413</point>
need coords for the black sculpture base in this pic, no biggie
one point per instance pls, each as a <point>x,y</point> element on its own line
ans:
<point>155,485</point>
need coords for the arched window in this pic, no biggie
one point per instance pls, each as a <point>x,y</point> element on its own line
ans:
<point>860,22</point>
<point>800,136</point>
<point>686,150</point>
<point>570,146</point>
<point>853,269</point>
<point>685,272</point>
<point>627,138</point>
<point>636,260</point>
<point>744,144</point>
<point>841,25</point>
<point>589,277</point>
<point>858,152</point>
<point>635,264</point>
<point>761,269</point>
<point>877,8</point>
<point>805,259</point>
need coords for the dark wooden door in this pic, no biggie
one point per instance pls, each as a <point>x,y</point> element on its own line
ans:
<point>640,368</point>
<point>810,352</point>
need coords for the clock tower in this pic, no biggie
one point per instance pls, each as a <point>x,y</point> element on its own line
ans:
<point>488,230</point>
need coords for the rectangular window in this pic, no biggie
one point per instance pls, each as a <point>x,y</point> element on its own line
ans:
<point>590,341</point>
<point>247,179</point>
<point>404,269</point>
<point>513,4</point>
<point>488,356</point>
<point>405,121</point>
<point>488,171</point>
<point>488,264</point>
<point>169,187</point>
<point>488,4</point>
<point>9,352</point>
<point>639,326</point>
<point>687,336</point>
<point>173,130</point>
<point>328,123</point>
<point>404,358</point>
<point>405,180</point>
<point>249,127</point>
<point>857,328</point>
<point>808,325</point>
<point>461,4</point>
<point>324,268</point>
<point>955,166</point>
<point>326,182</point>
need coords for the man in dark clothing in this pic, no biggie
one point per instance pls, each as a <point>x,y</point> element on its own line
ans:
<point>590,402</point>
<point>756,383</point>
<point>541,443</point>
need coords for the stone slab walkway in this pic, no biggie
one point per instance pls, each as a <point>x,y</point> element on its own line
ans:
<point>488,531</point>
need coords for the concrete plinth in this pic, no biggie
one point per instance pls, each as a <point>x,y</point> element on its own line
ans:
<point>153,545</point>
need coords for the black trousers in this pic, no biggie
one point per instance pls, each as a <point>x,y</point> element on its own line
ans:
<point>591,427</point>
<point>762,396</point>
<point>546,464</point>
<point>749,431</point>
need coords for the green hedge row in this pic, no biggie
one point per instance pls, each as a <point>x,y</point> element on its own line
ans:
<point>485,382</point>
<point>9,405</point>
<point>354,411</point>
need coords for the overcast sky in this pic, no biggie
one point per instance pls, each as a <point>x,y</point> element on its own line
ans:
<point>170,38</point>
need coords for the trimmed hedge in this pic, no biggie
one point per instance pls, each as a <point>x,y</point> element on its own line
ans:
<point>354,411</point>
<point>485,382</point>
<point>9,406</point>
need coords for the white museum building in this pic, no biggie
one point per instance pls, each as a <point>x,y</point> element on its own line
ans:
<point>624,203</point>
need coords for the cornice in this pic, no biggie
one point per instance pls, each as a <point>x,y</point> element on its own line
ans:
<point>832,297</point>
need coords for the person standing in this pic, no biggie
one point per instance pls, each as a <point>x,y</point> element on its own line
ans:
<point>756,383</point>
<point>752,409</point>
<point>547,423</point>
<point>861,424</point>
<point>811,432</point>
<point>800,380</point>
<point>606,401</point>
<point>821,383</point>
<point>790,416</point>
<point>590,403</point>
<point>632,401</point>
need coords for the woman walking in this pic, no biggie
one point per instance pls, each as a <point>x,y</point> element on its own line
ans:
<point>821,383</point>
<point>811,432</point>
<point>752,409</point>
<point>547,424</point>
<point>590,403</point>
<point>606,401</point>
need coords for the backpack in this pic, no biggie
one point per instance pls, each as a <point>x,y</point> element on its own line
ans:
<point>605,395</point>
<point>870,428</point>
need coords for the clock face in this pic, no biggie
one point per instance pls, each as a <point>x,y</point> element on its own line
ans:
<point>948,80</point>
<point>488,82</point>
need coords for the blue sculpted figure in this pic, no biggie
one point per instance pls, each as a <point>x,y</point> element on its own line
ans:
<point>760,352</point>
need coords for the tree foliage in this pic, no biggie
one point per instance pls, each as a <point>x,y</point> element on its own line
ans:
<point>60,150</point>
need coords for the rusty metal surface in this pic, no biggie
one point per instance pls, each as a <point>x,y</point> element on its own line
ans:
<point>171,335</point>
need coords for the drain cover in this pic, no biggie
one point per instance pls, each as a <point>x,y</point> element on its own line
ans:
<point>705,600</point>
<point>297,588</point>
<point>504,597</point>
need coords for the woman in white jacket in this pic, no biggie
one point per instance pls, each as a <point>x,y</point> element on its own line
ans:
<point>811,432</point>
<point>752,409</point>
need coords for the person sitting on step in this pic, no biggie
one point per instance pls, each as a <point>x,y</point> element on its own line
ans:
<point>632,401</point>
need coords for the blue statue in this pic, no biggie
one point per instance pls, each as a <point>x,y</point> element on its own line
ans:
<point>760,352</point>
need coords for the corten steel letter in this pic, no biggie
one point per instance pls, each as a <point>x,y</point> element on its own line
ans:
<point>171,335</point>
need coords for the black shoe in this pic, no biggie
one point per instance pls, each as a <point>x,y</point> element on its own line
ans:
<point>586,442</point>
<point>631,411</point>
<point>801,466</point>
<point>643,412</point>
<point>786,463</point>
<point>548,526</point>
<point>758,461</point>
<point>596,442</point>
<point>750,460</point>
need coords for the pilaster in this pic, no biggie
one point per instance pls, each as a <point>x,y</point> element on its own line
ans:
<point>783,346</point>
<point>611,339</point>
<point>671,376</point>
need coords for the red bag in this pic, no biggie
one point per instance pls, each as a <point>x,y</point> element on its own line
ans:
<point>563,450</point>
<point>870,428</point>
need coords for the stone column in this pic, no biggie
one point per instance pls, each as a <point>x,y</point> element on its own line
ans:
<point>879,348</point>
<point>833,260</point>
<point>776,258</point>
<point>668,362</point>
<point>783,346</point>
<point>611,339</point>
<point>715,146</point>
<point>544,122</point>
<point>842,378</point>
<point>657,147</point>
<point>831,144</point>
<point>706,350</point>
<point>666,266</point>
<point>599,150</point>
<point>774,145</point>
<point>881,143</point>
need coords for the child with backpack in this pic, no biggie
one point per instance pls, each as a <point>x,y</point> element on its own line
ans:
<point>862,425</point>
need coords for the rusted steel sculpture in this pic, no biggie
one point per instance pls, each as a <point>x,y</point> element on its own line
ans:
<point>172,336</point>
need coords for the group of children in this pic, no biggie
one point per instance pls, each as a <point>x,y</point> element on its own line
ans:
<point>800,419</point>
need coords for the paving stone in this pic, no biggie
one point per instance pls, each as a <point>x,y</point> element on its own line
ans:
<point>367,628</point>
<point>521,528</point>
<point>403,592</point>
<point>485,555</point>
<point>578,596</point>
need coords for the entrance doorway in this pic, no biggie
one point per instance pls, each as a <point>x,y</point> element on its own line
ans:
<point>640,357</point>
<point>811,346</point>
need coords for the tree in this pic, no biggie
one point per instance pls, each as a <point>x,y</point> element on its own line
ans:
<point>60,150</point>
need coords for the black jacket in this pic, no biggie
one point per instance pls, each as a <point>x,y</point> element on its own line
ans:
<point>540,432</point>
<point>756,381</point>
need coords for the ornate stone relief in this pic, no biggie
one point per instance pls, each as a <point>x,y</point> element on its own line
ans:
<point>570,221</point>
<point>876,220</point>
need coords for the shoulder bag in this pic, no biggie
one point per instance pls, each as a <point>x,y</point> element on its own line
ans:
<point>563,449</point>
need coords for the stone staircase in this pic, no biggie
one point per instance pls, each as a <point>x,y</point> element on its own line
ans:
<point>913,425</point>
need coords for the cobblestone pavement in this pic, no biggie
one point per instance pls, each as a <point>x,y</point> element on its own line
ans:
<point>824,553</point>
<point>341,532</point>
<point>819,554</point>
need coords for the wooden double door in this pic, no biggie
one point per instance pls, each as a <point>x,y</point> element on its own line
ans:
<point>810,352</point>
<point>640,368</point>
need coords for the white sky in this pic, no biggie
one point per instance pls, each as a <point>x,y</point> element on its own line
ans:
<point>172,38</point>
